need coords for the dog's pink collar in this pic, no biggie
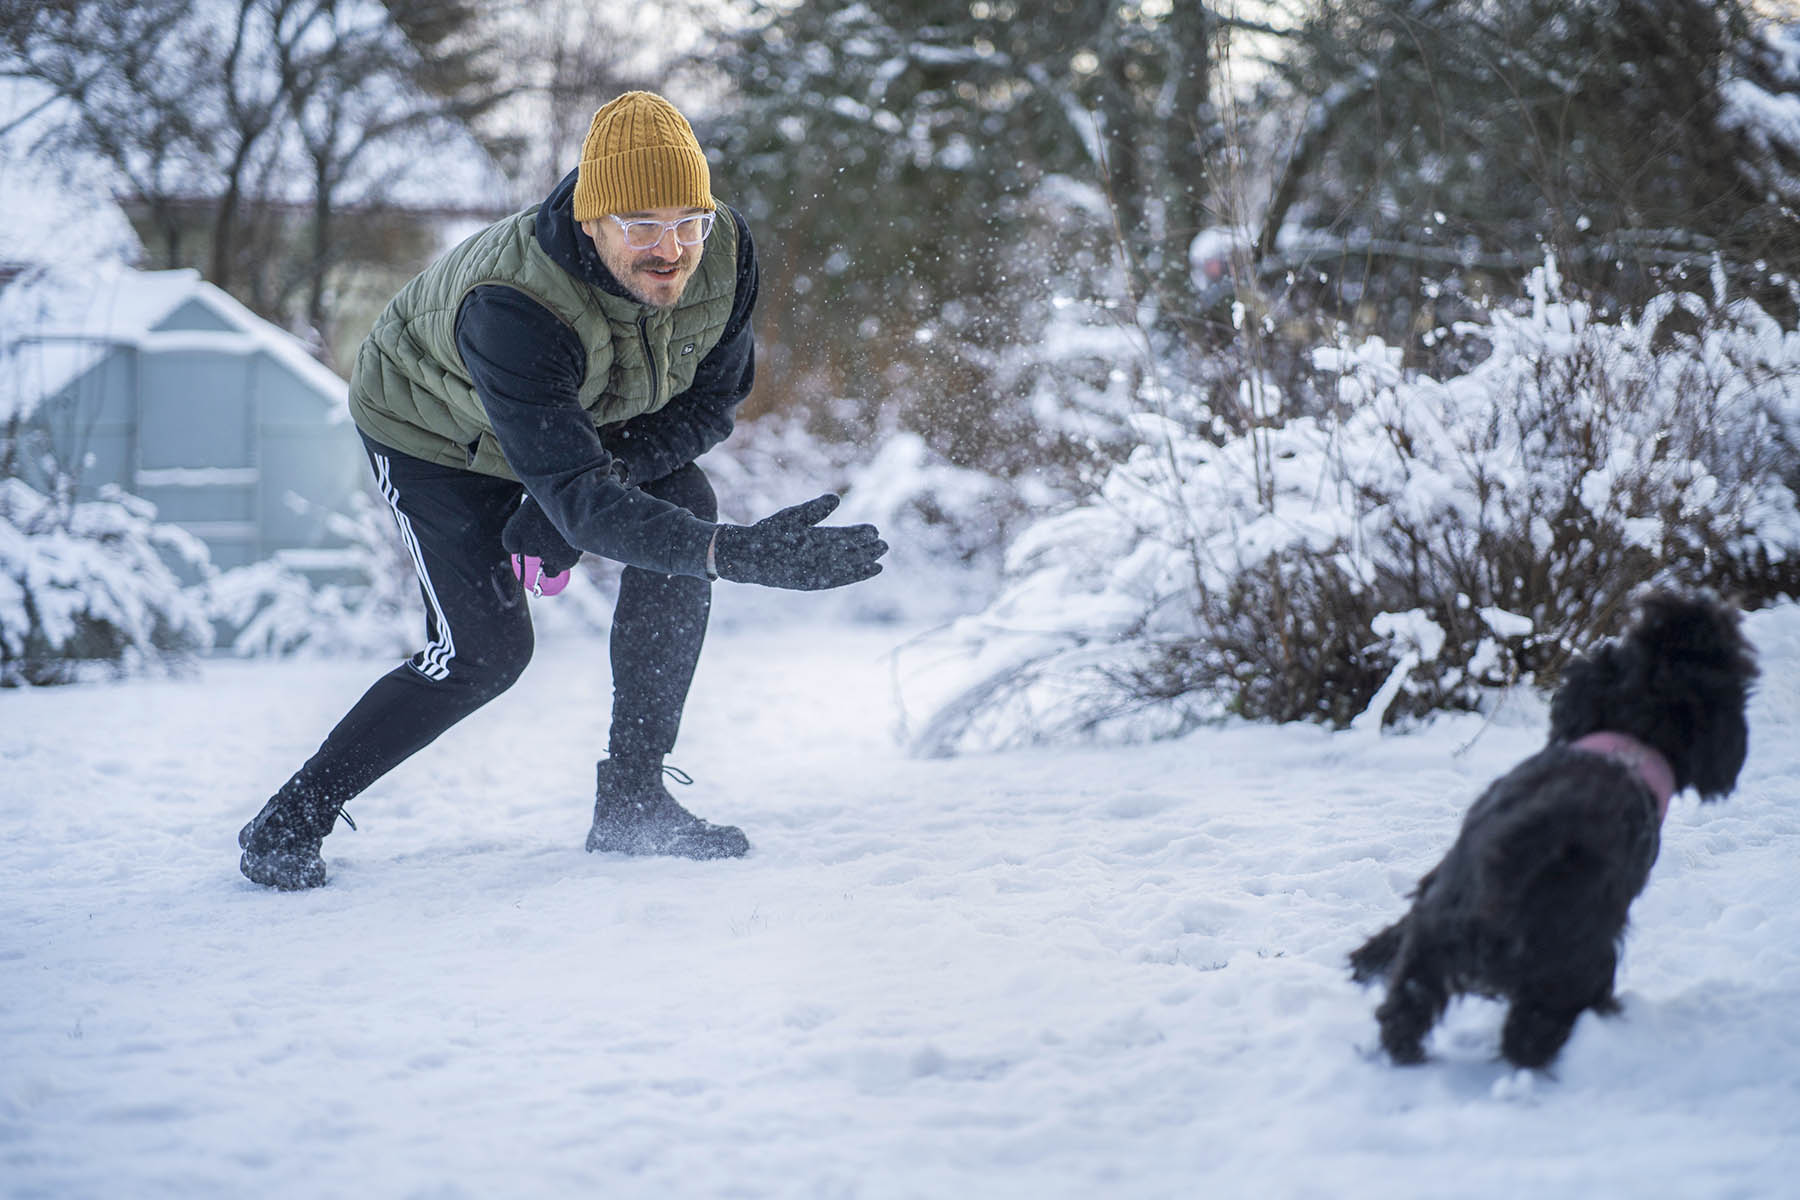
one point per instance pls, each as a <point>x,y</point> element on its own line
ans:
<point>1650,765</point>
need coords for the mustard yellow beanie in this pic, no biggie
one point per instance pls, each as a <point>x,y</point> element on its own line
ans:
<point>640,154</point>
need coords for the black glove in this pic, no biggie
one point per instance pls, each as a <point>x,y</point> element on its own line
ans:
<point>787,551</point>
<point>530,534</point>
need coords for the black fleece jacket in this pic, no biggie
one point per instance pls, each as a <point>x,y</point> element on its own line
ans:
<point>528,368</point>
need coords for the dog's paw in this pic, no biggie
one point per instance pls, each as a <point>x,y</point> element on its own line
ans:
<point>1404,1051</point>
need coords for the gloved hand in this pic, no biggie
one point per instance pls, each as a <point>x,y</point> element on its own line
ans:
<point>787,551</point>
<point>541,557</point>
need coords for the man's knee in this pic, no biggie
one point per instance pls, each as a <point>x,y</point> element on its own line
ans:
<point>689,488</point>
<point>511,658</point>
<point>487,665</point>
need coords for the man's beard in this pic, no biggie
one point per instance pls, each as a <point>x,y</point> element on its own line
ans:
<point>638,273</point>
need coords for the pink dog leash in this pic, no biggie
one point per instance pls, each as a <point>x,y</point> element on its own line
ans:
<point>1649,764</point>
<point>529,570</point>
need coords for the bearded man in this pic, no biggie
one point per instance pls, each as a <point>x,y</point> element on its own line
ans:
<point>541,391</point>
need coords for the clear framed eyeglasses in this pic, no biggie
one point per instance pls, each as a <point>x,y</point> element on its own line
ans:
<point>641,235</point>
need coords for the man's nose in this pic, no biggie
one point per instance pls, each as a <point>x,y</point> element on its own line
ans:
<point>667,247</point>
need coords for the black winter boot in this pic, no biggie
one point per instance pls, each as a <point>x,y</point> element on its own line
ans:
<point>281,846</point>
<point>634,814</point>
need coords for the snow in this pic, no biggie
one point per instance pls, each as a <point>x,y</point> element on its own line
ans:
<point>1050,973</point>
<point>197,476</point>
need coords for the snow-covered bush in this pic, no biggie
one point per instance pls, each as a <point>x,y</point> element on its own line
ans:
<point>1441,537</point>
<point>372,607</point>
<point>86,590</point>
<point>945,525</point>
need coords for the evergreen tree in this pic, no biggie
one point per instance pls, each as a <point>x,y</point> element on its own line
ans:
<point>1448,145</point>
<point>908,166</point>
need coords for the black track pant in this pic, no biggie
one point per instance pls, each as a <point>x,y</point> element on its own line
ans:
<point>478,630</point>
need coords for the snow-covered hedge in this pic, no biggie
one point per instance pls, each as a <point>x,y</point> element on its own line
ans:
<point>85,588</point>
<point>1441,538</point>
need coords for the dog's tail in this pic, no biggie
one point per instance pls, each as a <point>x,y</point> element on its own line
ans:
<point>1372,960</point>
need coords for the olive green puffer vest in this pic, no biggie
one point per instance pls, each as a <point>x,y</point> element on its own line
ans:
<point>409,389</point>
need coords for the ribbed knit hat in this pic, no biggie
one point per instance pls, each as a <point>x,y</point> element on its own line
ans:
<point>640,154</point>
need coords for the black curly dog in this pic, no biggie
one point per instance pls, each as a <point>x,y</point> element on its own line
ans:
<point>1529,905</point>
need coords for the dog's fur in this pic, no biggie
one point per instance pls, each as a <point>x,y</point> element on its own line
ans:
<point>1529,905</point>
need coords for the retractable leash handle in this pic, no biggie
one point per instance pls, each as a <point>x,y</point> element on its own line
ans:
<point>529,569</point>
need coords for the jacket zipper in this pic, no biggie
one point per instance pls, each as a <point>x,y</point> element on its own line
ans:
<point>650,359</point>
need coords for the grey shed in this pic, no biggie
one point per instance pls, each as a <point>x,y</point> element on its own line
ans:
<point>162,384</point>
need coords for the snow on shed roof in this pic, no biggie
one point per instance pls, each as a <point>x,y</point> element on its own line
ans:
<point>54,328</point>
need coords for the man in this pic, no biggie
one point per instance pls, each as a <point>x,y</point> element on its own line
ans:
<point>542,390</point>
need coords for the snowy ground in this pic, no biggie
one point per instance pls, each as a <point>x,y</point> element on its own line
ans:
<point>1075,973</point>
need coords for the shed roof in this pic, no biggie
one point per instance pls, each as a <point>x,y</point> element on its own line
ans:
<point>56,327</point>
